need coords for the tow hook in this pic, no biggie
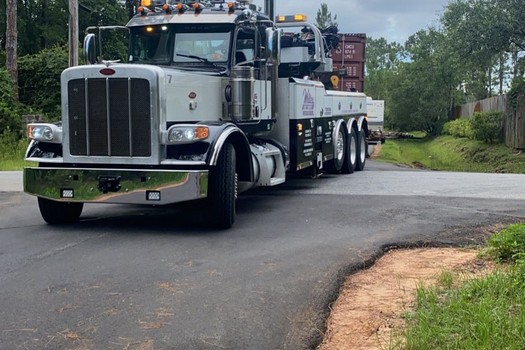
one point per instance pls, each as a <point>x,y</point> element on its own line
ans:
<point>109,184</point>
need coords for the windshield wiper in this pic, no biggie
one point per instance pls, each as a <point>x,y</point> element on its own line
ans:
<point>202,59</point>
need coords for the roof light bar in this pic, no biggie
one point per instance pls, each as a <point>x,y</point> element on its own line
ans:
<point>291,18</point>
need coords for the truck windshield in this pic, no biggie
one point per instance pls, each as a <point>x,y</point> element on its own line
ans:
<point>211,47</point>
<point>151,44</point>
<point>185,46</point>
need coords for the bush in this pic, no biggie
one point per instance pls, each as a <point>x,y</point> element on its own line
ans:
<point>487,126</point>
<point>11,145</point>
<point>10,110</point>
<point>508,245</point>
<point>459,128</point>
<point>517,88</point>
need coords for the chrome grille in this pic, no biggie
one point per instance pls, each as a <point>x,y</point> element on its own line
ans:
<point>109,117</point>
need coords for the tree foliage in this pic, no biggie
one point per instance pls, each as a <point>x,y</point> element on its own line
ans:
<point>43,24</point>
<point>39,80</point>
<point>476,51</point>
<point>10,109</point>
<point>323,19</point>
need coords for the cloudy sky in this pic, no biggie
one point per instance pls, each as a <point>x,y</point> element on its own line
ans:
<point>394,20</point>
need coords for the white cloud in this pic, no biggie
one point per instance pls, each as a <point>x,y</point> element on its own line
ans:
<point>393,20</point>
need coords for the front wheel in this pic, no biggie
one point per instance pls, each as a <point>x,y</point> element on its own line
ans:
<point>222,189</point>
<point>362,149</point>
<point>54,212</point>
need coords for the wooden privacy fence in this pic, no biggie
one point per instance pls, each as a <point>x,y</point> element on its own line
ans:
<point>514,125</point>
<point>514,120</point>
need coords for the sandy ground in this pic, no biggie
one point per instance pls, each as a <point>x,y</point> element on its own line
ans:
<point>368,313</point>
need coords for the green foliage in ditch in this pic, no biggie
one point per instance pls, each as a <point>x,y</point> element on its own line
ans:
<point>480,313</point>
<point>453,154</point>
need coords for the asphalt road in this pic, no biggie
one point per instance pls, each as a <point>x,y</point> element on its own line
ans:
<point>156,278</point>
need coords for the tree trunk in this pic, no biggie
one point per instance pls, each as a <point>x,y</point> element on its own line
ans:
<point>11,45</point>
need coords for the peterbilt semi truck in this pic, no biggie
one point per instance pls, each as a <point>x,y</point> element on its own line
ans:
<point>215,98</point>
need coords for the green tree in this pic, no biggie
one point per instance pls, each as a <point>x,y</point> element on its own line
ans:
<point>323,19</point>
<point>426,84</point>
<point>39,80</point>
<point>43,24</point>
<point>383,60</point>
<point>479,33</point>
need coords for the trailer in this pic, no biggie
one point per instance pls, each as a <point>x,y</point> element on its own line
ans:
<point>216,98</point>
<point>376,117</point>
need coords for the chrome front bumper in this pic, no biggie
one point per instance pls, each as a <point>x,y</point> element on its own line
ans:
<point>154,187</point>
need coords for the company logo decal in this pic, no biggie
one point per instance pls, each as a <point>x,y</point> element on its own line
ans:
<point>308,103</point>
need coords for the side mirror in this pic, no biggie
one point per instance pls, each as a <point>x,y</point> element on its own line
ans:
<point>273,46</point>
<point>90,49</point>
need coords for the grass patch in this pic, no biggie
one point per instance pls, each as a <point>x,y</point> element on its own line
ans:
<point>484,313</point>
<point>12,152</point>
<point>453,154</point>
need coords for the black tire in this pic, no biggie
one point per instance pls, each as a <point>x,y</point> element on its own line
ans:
<point>335,165</point>
<point>55,213</point>
<point>222,189</point>
<point>362,147</point>
<point>350,162</point>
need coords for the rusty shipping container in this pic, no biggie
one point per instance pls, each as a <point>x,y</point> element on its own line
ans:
<point>354,70</point>
<point>351,48</point>
<point>349,61</point>
<point>350,84</point>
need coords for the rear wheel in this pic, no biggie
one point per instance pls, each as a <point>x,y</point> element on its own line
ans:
<point>361,150</point>
<point>351,153</point>
<point>340,152</point>
<point>59,212</point>
<point>222,189</point>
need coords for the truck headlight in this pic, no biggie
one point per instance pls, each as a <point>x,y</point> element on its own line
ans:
<point>181,134</point>
<point>45,133</point>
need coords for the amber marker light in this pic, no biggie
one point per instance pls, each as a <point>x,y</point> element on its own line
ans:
<point>29,131</point>
<point>299,127</point>
<point>202,132</point>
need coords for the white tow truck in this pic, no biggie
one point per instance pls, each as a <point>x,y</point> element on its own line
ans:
<point>215,99</point>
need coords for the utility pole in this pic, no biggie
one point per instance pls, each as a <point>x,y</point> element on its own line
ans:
<point>73,33</point>
<point>11,45</point>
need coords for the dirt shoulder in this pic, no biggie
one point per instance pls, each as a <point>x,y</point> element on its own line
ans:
<point>369,309</point>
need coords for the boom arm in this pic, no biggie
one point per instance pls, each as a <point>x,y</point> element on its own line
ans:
<point>269,8</point>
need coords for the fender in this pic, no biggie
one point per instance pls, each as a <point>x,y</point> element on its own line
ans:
<point>228,132</point>
<point>362,124</point>
<point>339,124</point>
<point>350,123</point>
